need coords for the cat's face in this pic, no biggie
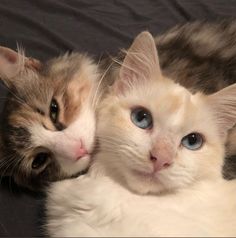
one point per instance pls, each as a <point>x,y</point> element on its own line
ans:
<point>157,136</point>
<point>48,124</point>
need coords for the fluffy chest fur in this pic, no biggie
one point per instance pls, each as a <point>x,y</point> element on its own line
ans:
<point>101,207</point>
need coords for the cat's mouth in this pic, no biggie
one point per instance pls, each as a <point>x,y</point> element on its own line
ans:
<point>85,156</point>
<point>152,174</point>
<point>145,175</point>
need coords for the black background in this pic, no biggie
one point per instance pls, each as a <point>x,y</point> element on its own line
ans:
<point>47,28</point>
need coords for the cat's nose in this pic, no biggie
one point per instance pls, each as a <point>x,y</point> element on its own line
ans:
<point>81,151</point>
<point>159,162</point>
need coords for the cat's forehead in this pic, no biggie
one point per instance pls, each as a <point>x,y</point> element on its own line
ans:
<point>162,95</point>
<point>35,89</point>
<point>172,106</point>
<point>70,67</point>
<point>70,80</point>
<point>56,77</point>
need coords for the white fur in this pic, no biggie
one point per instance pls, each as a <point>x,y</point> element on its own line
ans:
<point>101,207</point>
<point>64,143</point>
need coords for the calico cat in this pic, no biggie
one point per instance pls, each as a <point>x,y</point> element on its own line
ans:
<point>158,169</point>
<point>48,124</point>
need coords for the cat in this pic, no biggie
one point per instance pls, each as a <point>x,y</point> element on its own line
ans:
<point>48,122</point>
<point>158,169</point>
<point>201,57</point>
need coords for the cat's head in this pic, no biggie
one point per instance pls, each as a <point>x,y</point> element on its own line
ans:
<point>154,134</point>
<point>48,124</point>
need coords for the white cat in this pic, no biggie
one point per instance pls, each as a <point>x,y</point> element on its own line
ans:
<point>158,170</point>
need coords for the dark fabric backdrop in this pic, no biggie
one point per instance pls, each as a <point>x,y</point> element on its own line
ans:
<point>47,28</point>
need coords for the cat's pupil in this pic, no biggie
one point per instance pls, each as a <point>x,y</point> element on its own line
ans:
<point>39,160</point>
<point>54,110</point>
<point>141,117</point>
<point>192,138</point>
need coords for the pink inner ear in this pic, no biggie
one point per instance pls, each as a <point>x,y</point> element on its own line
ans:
<point>140,63</point>
<point>9,63</point>
<point>11,58</point>
<point>9,55</point>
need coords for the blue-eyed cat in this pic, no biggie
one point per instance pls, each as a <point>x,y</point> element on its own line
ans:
<point>158,169</point>
<point>201,57</point>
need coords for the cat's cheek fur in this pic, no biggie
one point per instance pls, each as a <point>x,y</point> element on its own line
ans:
<point>187,167</point>
<point>177,176</point>
<point>65,143</point>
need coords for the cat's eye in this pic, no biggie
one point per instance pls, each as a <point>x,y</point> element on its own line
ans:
<point>54,110</point>
<point>192,141</point>
<point>141,117</point>
<point>40,160</point>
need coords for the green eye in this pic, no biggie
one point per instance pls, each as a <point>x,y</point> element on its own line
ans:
<point>54,110</point>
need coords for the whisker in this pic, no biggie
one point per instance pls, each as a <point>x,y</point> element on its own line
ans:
<point>124,65</point>
<point>94,101</point>
<point>16,166</point>
<point>6,169</point>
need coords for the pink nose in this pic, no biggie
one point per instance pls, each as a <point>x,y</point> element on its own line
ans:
<point>160,163</point>
<point>81,151</point>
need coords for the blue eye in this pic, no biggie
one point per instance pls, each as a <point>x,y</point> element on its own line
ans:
<point>192,141</point>
<point>141,117</point>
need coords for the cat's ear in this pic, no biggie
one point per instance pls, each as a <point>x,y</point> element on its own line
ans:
<point>12,63</point>
<point>141,62</point>
<point>223,104</point>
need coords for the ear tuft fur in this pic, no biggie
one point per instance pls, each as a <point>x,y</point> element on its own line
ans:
<point>12,63</point>
<point>223,104</point>
<point>140,63</point>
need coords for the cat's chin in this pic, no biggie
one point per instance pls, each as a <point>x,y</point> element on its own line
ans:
<point>150,182</point>
<point>145,175</point>
<point>144,182</point>
<point>72,167</point>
